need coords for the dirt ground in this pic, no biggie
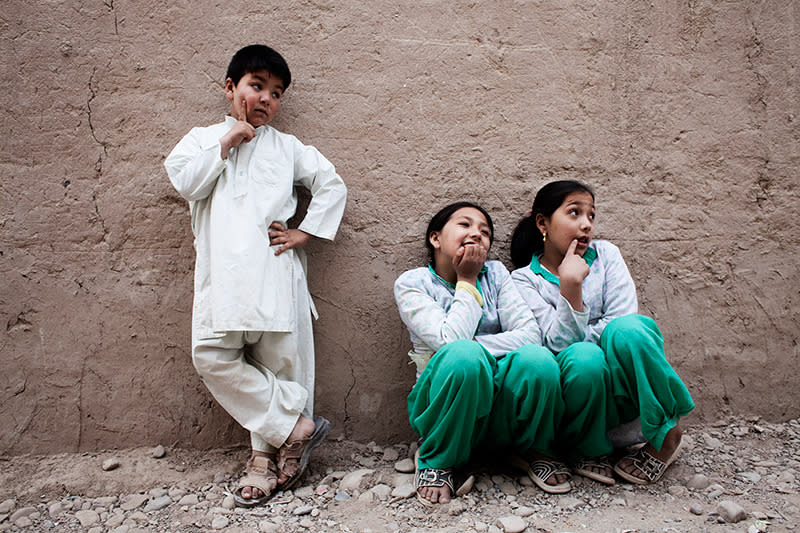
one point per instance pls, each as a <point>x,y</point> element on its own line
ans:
<point>729,468</point>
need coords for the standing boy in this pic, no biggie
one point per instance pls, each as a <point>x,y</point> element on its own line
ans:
<point>252,340</point>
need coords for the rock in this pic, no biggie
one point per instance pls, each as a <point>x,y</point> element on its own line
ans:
<point>133,501</point>
<point>6,506</point>
<point>696,509</point>
<point>19,513</point>
<point>87,518</point>
<point>524,511</point>
<point>157,492</point>
<point>302,510</point>
<point>105,501</point>
<point>511,524</point>
<point>406,490</point>
<point>55,509</point>
<point>391,455</point>
<point>156,504</point>
<point>307,523</point>
<point>23,521</point>
<point>698,482</point>
<point>115,520</point>
<point>751,477</point>
<point>382,491</point>
<point>731,512</point>
<point>341,496</point>
<point>219,522</point>
<point>110,464</point>
<point>189,499</point>
<point>353,480</point>
<point>97,529</point>
<point>569,503</point>
<point>405,465</point>
<point>159,452</point>
<point>228,502</point>
<point>265,526</point>
<point>304,492</point>
<point>678,490</point>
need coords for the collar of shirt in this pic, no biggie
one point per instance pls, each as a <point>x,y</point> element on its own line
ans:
<point>453,285</point>
<point>589,256</point>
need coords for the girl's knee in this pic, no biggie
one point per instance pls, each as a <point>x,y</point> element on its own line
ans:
<point>583,360</point>
<point>632,325</point>
<point>462,358</point>
<point>536,361</point>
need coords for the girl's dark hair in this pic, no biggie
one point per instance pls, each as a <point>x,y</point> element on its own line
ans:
<point>254,58</point>
<point>440,219</point>
<point>526,239</point>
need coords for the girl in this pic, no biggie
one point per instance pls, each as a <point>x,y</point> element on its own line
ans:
<point>613,367</point>
<point>482,379</point>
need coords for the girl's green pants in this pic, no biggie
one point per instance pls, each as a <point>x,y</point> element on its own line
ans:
<point>466,398</point>
<point>532,401</point>
<point>625,377</point>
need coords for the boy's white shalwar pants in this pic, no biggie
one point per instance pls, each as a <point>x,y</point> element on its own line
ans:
<point>264,380</point>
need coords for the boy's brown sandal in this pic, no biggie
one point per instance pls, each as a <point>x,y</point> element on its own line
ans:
<point>261,473</point>
<point>293,456</point>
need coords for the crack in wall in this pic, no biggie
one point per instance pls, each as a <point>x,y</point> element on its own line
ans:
<point>110,5</point>
<point>92,95</point>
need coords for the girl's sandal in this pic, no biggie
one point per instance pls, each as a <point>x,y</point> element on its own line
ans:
<point>438,478</point>
<point>651,468</point>
<point>540,470</point>
<point>261,473</point>
<point>585,467</point>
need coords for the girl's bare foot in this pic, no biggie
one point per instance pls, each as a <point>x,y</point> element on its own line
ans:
<point>435,494</point>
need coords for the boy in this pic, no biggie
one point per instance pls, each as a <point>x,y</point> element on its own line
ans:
<point>252,341</point>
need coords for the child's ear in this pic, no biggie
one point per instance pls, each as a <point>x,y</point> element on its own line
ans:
<point>229,86</point>
<point>541,223</point>
<point>433,238</point>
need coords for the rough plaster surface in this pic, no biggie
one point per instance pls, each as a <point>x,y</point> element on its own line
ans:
<point>683,115</point>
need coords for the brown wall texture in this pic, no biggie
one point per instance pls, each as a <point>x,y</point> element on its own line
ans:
<point>682,114</point>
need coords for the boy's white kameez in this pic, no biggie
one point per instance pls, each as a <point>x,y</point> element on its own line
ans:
<point>243,293</point>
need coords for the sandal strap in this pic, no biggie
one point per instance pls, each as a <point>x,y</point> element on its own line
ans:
<point>544,469</point>
<point>435,477</point>
<point>261,473</point>
<point>650,466</point>
<point>599,462</point>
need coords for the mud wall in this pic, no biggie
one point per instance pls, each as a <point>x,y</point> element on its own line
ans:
<point>683,115</point>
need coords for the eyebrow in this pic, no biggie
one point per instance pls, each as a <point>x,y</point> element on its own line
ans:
<point>471,219</point>
<point>580,203</point>
<point>262,79</point>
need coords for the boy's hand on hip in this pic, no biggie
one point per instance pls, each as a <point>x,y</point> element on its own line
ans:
<point>289,238</point>
<point>241,132</point>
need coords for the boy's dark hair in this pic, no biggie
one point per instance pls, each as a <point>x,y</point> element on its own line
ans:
<point>440,219</point>
<point>257,57</point>
<point>526,239</point>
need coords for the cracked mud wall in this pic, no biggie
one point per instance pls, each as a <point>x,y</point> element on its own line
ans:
<point>683,115</point>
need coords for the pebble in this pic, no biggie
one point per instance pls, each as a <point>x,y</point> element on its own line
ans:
<point>23,521</point>
<point>698,482</point>
<point>110,464</point>
<point>87,518</point>
<point>7,505</point>
<point>156,504</point>
<point>341,496</point>
<point>391,455</point>
<point>219,522</point>
<point>511,524</point>
<point>159,452</point>
<point>569,503</point>
<point>302,510</point>
<point>352,481</point>
<point>228,502</point>
<point>265,526</point>
<point>406,490</point>
<point>405,465</point>
<point>524,511</point>
<point>189,499</point>
<point>21,512</point>
<point>696,509</point>
<point>731,512</point>
<point>133,501</point>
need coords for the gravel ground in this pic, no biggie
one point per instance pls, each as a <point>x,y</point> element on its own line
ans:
<point>733,476</point>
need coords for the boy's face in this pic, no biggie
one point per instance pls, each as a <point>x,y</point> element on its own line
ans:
<point>258,94</point>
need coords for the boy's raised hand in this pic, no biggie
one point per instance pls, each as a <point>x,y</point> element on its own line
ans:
<point>289,238</point>
<point>468,262</point>
<point>241,132</point>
